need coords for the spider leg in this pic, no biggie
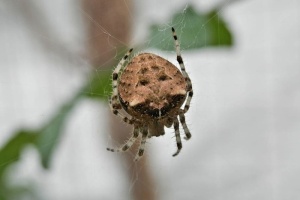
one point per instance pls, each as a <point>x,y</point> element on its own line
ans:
<point>185,128</point>
<point>114,102</point>
<point>185,75</point>
<point>114,99</point>
<point>119,114</point>
<point>128,144</point>
<point>143,142</point>
<point>188,101</point>
<point>177,134</point>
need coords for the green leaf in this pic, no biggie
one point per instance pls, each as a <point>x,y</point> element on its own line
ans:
<point>194,29</point>
<point>45,139</point>
<point>99,85</point>
<point>11,151</point>
<point>50,133</point>
<point>23,191</point>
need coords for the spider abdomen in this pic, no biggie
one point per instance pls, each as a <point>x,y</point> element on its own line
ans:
<point>150,86</point>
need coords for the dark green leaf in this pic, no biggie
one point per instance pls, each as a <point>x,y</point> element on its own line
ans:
<point>194,29</point>
<point>12,150</point>
<point>99,85</point>
<point>45,138</point>
<point>49,134</point>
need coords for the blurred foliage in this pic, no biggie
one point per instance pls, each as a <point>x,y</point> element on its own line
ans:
<point>199,30</point>
<point>99,85</point>
<point>48,136</point>
<point>11,151</point>
<point>44,139</point>
<point>9,154</point>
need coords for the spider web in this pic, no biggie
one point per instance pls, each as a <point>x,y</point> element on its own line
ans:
<point>157,146</point>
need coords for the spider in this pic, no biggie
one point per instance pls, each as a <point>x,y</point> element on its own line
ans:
<point>151,90</point>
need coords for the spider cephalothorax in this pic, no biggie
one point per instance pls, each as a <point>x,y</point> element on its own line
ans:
<point>151,90</point>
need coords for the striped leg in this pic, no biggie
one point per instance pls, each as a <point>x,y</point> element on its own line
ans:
<point>128,144</point>
<point>178,139</point>
<point>188,101</point>
<point>185,75</point>
<point>115,101</point>
<point>185,128</point>
<point>143,142</point>
<point>119,114</point>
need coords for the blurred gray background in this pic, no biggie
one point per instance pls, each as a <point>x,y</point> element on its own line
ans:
<point>244,117</point>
